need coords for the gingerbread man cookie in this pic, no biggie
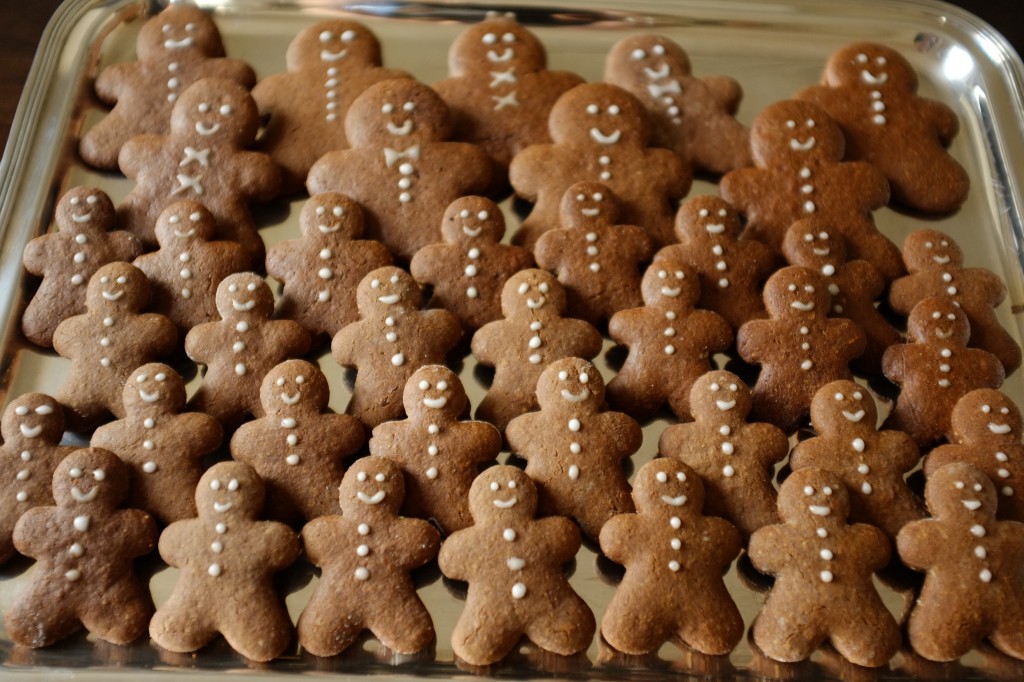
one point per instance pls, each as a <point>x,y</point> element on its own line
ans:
<point>935,369</point>
<point>321,269</point>
<point>670,342</point>
<point>597,261</point>
<point>203,157</point>
<point>987,428</point>
<point>32,427</point>
<point>694,117</point>
<point>438,453</point>
<point>822,567</point>
<point>108,342</point>
<point>735,458</point>
<point>798,173</point>
<point>854,285</point>
<point>162,446</point>
<point>174,49</point>
<point>799,348</point>
<point>400,168</point>
<point>973,583</point>
<point>574,448</point>
<point>226,558</point>
<point>674,557</point>
<point>241,348</point>
<point>871,463</point>
<point>392,339</point>
<point>732,271</point>
<point>871,91</point>
<point>298,447</point>
<point>468,271</point>
<point>186,270</point>
<point>935,263</point>
<point>532,335</point>
<point>601,134</point>
<point>329,64</point>
<point>67,259</point>
<point>84,547</point>
<point>367,554</point>
<point>513,563</point>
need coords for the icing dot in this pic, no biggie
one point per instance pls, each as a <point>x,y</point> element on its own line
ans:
<point>473,253</point>
<point>433,429</point>
<point>676,543</point>
<point>21,496</point>
<point>221,528</point>
<point>518,591</point>
<point>242,326</point>
<point>77,279</point>
<point>1003,473</point>
<point>432,473</point>
<point>26,456</point>
<point>1001,457</point>
<point>728,471</point>
<point>149,467</point>
<point>822,533</point>
<point>291,460</point>
<point>826,576</point>
<point>670,349</point>
<point>535,359</point>
<point>574,448</point>
<point>509,535</point>
<point>1007,491</point>
<point>149,423</point>
<point>574,424</point>
<point>105,362</point>
<point>217,547</point>
<point>980,552</point>
<point>432,450</point>
<point>76,550</point>
<point>240,369</point>
<point>73,575</point>
<point>214,570</point>
<point>805,331</point>
<point>148,444</point>
<point>858,444</point>
<point>727,448</point>
<point>288,423</point>
<point>472,292</point>
<point>985,576</point>
<point>806,365</point>
<point>363,529</point>
<point>675,522</point>
<point>238,346</point>
<point>397,359</point>
<point>826,554</point>
<point>108,322</point>
<point>673,566</point>
<point>292,439</point>
<point>363,550</point>
<point>724,429</point>
<point>978,531</point>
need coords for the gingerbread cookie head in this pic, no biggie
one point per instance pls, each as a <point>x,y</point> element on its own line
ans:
<point>842,405</point>
<point>502,495</point>
<point>814,499</point>
<point>84,208</point>
<point>589,205</point>
<point>372,485</point>
<point>670,283</point>
<point>218,110</point>
<point>719,394</point>
<point>871,66</point>
<point>797,293</point>
<point>792,132</point>
<point>652,55</point>
<point>570,385</point>
<point>31,416</point>
<point>499,43</point>
<point>473,219</point>
<point>810,243</point>
<point>117,287</point>
<point>228,492</point>
<point>244,295</point>
<point>601,114</point>
<point>184,222</point>
<point>987,415</point>
<point>90,479</point>
<point>938,319</point>
<point>334,42</point>
<point>925,250</point>
<point>707,217</point>
<point>154,389</point>
<point>180,29</point>
<point>961,493</point>
<point>386,291</point>
<point>534,294</point>
<point>397,112</point>
<point>294,386</point>
<point>665,487</point>
<point>434,392</point>
<point>331,215</point>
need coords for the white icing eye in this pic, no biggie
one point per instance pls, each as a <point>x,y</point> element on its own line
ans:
<point>348,36</point>
<point>592,109</point>
<point>703,213</point>
<point>75,201</point>
<point>986,409</point>
<point>658,49</point>
<point>442,385</point>
<point>361,477</point>
<point>823,236</point>
<point>523,288</point>
<point>338,211</point>
<point>791,287</point>
<point>1004,410</point>
<point>174,220</point>
<point>91,199</point>
<point>808,237</point>
<point>959,485</point>
<point>508,38</point>
<point>99,474</point>
<point>320,210</point>
<point>791,124</point>
<point>233,485</point>
<point>881,61</point>
<point>21,410</point>
<point>233,288</point>
<point>862,58</point>
<point>584,378</point>
<point>951,317</point>
<point>597,196</point>
<point>167,28</point>
<point>544,288</point>
<point>563,375</point>
<point>251,286</point>
<point>424,385</point>
<point>944,243</point>
<point>614,110</point>
<point>122,280</point>
<point>732,387</point>
<point>662,477</point>
<point>680,476</point>
<point>662,274</point>
<point>809,289</point>
<point>464,213</point>
<point>141,378</point>
<point>215,484</point>
<point>581,197</point>
<point>929,245</point>
<point>839,396</point>
<point>857,395</point>
<point>722,213</point>
<point>489,39</point>
<point>680,274</point>
<point>409,106</point>
<point>161,377</point>
<point>75,473</point>
<point>204,108</point>
<point>714,387</point>
<point>300,379</point>
<point>936,315</point>
<point>809,123</point>
<point>827,490</point>
<point>190,27</point>
<point>387,108</point>
<point>637,54</point>
<point>483,215</point>
<point>808,490</point>
<point>379,478</point>
<point>326,36</point>
<point>226,110</point>
<point>511,485</point>
<point>104,279</point>
<point>280,381</point>
<point>494,486</point>
<point>195,217</point>
<point>394,279</point>
<point>374,284</point>
<point>977,487</point>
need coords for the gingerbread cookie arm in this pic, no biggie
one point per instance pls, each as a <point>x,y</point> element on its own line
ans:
<point>894,363</point>
<point>773,444</point>
<point>943,455</point>
<point>319,540</point>
<point>443,328</point>
<point>69,332</point>
<point>872,186</point>
<point>280,544</point>
<point>459,552</point>
<point>740,186</point>
<point>906,292</point>
<point>942,118</point>
<point>550,249</point>
<point>137,531</point>
<point>763,549</point>
<point>526,172</point>
<point>136,154</point>
<point>874,545</point>
<point>258,177</point>
<point>590,340</point>
<point>623,326</point>
<point>519,431</point>
<point>175,544</point>
<point>114,80</point>
<point>30,533</point>
<point>728,542</point>
<point>725,90</point>
<point>161,332</point>
<point>919,544</point>
<point>229,68</point>
<point>35,257</point>
<point>637,244</point>
<point>618,536</point>
<point>559,538</point>
<point>483,343</point>
<point>851,339</point>
<point>754,341</point>
<point>719,333</point>
<point>412,544</point>
<point>867,276</point>
<point>627,436</point>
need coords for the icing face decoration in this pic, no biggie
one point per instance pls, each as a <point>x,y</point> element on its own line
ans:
<point>498,48</point>
<point>667,487</point>
<point>589,205</point>
<point>180,30</point>
<point>84,206</point>
<point>334,46</point>
<point>720,394</point>
<point>469,220</point>
<point>602,114</point>
<point>92,477</point>
<point>813,497</point>
<point>571,384</point>
<point>670,283</point>
<point>533,293</point>
<point>33,415</point>
<point>795,130</point>
<point>502,492</point>
<point>154,387</point>
<point>185,221</point>
<point>873,67</point>
<point>230,485</point>
<point>331,215</point>
<point>386,291</point>
<point>292,387</point>
<point>229,490</point>
<point>931,250</point>
<point>938,320</point>
<point>960,491</point>
<point>714,223</point>
<point>244,294</point>
<point>434,391</point>
<point>213,111</point>
<point>724,401</point>
<point>844,402</point>
<point>397,114</point>
<point>372,484</point>
<point>796,292</point>
<point>118,286</point>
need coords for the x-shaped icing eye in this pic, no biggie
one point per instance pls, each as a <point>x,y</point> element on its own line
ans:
<point>326,37</point>
<point>122,280</point>
<point>614,110</point>
<point>424,385</point>
<point>75,473</point>
<point>387,108</point>
<point>658,49</point>
<point>808,490</point>
<point>374,283</point>
<point>251,286</point>
<point>584,377</point>
<point>348,36</point>
<point>99,474</point>
<point>409,106</point>
<point>637,54</point>
<point>379,478</point>
<point>862,58</point>
<point>662,477</point>
<point>508,38</point>
<point>483,215</point>
<point>543,287</point>
<point>233,485</point>
<point>204,107</point>
<point>489,39</point>
<point>464,213</point>
<point>361,477</point>
<point>703,213</point>
<point>593,109</point>
<point>394,279</point>
<point>563,375</point>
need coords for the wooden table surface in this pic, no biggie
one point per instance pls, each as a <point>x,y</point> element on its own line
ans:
<point>22,23</point>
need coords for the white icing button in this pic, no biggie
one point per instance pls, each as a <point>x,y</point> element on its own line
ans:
<point>518,591</point>
<point>727,448</point>
<point>108,322</point>
<point>670,349</point>
<point>676,543</point>
<point>574,448</point>
<point>985,575</point>
<point>1001,457</point>
<point>1003,473</point>
<point>363,550</point>
<point>76,550</point>
<point>514,563</point>
<point>509,534</point>
<point>81,523</point>
<point>473,253</point>
<point>21,496</point>
<point>574,472</point>
<point>675,522</point>
<point>728,471</point>
<point>536,326</point>
<point>148,444</point>
<point>214,570</point>
<point>472,292</point>
<point>822,533</point>
<point>574,424</point>
<point>217,547</point>
<point>26,456</point>
<point>149,423</point>
<point>149,467</point>
<point>980,552</point>
<point>1007,491</point>
<point>433,429</point>
<point>362,574</point>
<point>826,554</point>
<point>826,576</point>
<point>858,445</point>
<point>397,359</point>
<point>291,460</point>
<point>221,528</point>
<point>292,439</point>
<point>978,531</point>
<point>673,566</point>
<point>363,529</point>
<point>242,326</point>
<point>432,473</point>
<point>238,347</point>
<point>866,488</point>
<point>724,429</point>
<point>863,468</point>
<point>73,575</point>
<point>22,475</point>
<point>432,449</point>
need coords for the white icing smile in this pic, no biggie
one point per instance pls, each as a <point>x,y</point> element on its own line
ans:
<point>943,334</point>
<point>291,399</point>
<point>113,296</point>
<point>401,130</point>
<point>798,146</point>
<point>601,138</point>
<point>177,44</point>
<point>590,212</point>
<point>575,397</point>
<point>872,79</point>
<point>83,218</point>
<point>185,235</point>
<point>30,431</point>
<point>203,129</point>
<point>390,299</point>
<point>221,508</point>
<point>670,292</point>
<point>715,228</point>
<point>941,260</point>
<point>819,510</point>
<point>821,252</point>
<point>436,403</point>
<point>800,305</point>
<point>854,416</point>
<point>972,505</point>
<point>243,307</point>
<point>505,56</point>
<point>472,233</point>
<point>999,429</point>
<point>376,498</point>
<point>657,74</point>
<point>328,56</point>
<point>149,397</point>
<point>725,405</point>
<point>506,504</point>
<point>535,304</point>
<point>678,501</point>
<point>327,229</point>
<point>79,496</point>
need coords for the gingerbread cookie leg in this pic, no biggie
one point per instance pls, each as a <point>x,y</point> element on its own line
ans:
<point>406,628</point>
<point>182,624</point>
<point>33,626</point>
<point>484,634</point>
<point>549,631</point>
<point>134,610</point>
<point>630,630</point>
<point>322,634</point>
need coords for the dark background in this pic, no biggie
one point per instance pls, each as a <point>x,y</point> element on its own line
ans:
<point>22,23</point>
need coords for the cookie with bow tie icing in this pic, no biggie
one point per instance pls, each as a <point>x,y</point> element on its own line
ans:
<point>400,166</point>
<point>674,557</point>
<point>514,564</point>
<point>84,547</point>
<point>871,91</point>
<point>65,260</point>
<point>694,117</point>
<point>297,448</point>
<point>367,554</point>
<point>439,453</point>
<point>162,445</point>
<point>329,63</point>
<point>174,49</point>
<point>226,558</point>
<point>823,590</point>
<point>986,433</point>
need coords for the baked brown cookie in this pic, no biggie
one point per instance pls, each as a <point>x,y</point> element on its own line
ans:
<point>670,342</point>
<point>401,168</point>
<point>468,271</point>
<point>226,558</point>
<point>822,566</point>
<point>973,584</point>
<point>329,63</point>
<point>532,335</point>
<point>694,117</point>
<point>32,427</point>
<point>735,458</point>
<point>513,563</point>
<point>319,271</point>
<point>936,266</point>
<point>600,133</point>
<point>438,453</point>
<point>83,547</point>
<point>871,463</point>
<point>174,49</point>
<point>986,433</point>
<point>574,449</point>
<point>597,261</point>
<point>240,348</point>
<point>367,554</point>
<point>935,369</point>
<point>108,342</point>
<point>67,259</point>
<point>674,557</point>
<point>799,348</point>
<point>297,448</point>
<point>871,91</point>
<point>203,157</point>
<point>162,446</point>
